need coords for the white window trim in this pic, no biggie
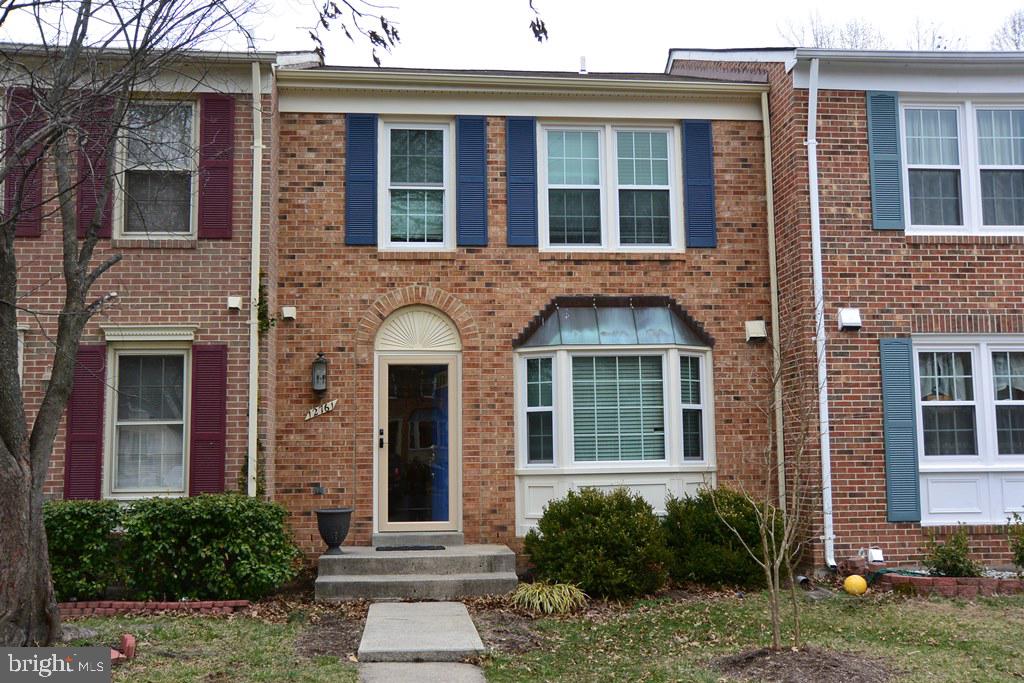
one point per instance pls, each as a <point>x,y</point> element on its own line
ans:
<point>118,220</point>
<point>988,470</point>
<point>563,461</point>
<point>608,149</point>
<point>384,127</point>
<point>970,168</point>
<point>110,409</point>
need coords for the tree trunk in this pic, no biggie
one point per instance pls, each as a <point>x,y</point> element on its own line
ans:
<point>28,610</point>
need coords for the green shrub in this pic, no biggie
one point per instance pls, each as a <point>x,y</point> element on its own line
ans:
<point>704,549</point>
<point>207,547</point>
<point>952,558</point>
<point>610,545</point>
<point>1015,534</point>
<point>84,550</point>
<point>542,597</point>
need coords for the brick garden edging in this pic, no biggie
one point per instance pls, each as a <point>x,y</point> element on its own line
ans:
<point>949,586</point>
<point>113,607</point>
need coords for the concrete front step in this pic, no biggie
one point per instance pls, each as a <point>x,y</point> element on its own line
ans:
<point>416,586</point>
<point>393,538</point>
<point>464,559</point>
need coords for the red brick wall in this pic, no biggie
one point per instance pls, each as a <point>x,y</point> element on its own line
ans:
<point>902,284</point>
<point>184,283</point>
<point>343,293</point>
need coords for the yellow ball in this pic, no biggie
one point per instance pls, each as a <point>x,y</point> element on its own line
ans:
<point>855,585</point>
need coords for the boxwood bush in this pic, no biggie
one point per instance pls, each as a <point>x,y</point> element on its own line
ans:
<point>609,544</point>
<point>84,550</point>
<point>207,547</point>
<point>704,549</point>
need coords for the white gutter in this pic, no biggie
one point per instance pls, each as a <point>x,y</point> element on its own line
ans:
<point>773,279</point>
<point>819,316</point>
<point>254,274</point>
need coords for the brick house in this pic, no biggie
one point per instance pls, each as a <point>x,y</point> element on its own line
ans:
<point>523,282</point>
<point>918,202</point>
<point>161,396</point>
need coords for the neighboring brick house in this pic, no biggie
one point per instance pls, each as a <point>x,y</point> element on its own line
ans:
<point>523,282</point>
<point>920,160</point>
<point>160,398</point>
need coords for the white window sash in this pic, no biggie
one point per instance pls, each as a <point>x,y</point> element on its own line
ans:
<point>119,220</point>
<point>562,410</point>
<point>385,186</point>
<point>114,422</point>
<point>993,167</point>
<point>959,167</point>
<point>609,187</point>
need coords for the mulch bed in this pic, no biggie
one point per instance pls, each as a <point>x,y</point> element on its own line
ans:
<point>331,629</point>
<point>806,665</point>
<point>503,628</point>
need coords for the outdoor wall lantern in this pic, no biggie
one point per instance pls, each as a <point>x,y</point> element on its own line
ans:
<point>320,373</point>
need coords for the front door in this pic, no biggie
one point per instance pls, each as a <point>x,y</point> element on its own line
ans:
<point>417,443</point>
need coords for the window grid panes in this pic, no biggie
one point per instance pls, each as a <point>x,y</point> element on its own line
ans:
<point>158,168</point>
<point>417,185</point>
<point>574,187</point>
<point>1001,158</point>
<point>692,415</point>
<point>539,410</point>
<point>643,180</point>
<point>150,423</point>
<point>618,408</point>
<point>933,160</point>
<point>947,395</point>
<point>1008,394</point>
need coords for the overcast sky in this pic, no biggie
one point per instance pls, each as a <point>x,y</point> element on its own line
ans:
<point>628,35</point>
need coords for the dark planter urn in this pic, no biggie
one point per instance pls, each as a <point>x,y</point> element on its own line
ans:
<point>333,526</point>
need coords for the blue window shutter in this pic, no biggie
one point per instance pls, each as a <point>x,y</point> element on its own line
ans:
<point>699,184</point>
<point>902,487</point>
<point>521,143</point>
<point>360,179</point>
<point>884,161</point>
<point>471,181</point>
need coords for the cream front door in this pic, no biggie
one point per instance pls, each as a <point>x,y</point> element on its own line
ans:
<point>418,439</point>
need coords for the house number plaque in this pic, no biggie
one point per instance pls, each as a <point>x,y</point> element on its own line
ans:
<point>321,409</point>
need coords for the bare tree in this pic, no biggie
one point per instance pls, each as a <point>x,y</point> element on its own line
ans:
<point>785,522</point>
<point>1010,36</point>
<point>929,36</point>
<point>855,34</point>
<point>67,100</point>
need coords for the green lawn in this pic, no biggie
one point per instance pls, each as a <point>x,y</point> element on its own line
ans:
<point>653,640</point>
<point>209,649</point>
<point>672,640</point>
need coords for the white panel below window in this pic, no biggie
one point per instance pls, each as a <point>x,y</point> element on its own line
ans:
<point>970,497</point>
<point>534,491</point>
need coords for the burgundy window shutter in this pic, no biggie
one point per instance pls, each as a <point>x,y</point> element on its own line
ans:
<point>25,177</point>
<point>92,170</point>
<point>83,460</point>
<point>209,418</point>
<point>216,165</point>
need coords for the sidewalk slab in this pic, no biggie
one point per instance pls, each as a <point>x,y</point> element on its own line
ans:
<point>422,672</point>
<point>419,632</point>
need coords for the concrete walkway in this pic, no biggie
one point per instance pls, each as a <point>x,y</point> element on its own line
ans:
<point>419,642</point>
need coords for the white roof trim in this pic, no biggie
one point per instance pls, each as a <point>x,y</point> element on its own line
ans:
<point>135,333</point>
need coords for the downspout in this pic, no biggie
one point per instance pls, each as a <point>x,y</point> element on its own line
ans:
<point>819,316</point>
<point>773,279</point>
<point>254,274</point>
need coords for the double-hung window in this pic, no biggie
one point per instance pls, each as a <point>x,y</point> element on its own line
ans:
<point>148,453</point>
<point>970,395</point>
<point>159,170</point>
<point>964,167</point>
<point>609,187</point>
<point>416,168</point>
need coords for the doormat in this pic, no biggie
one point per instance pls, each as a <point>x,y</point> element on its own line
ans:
<point>388,548</point>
